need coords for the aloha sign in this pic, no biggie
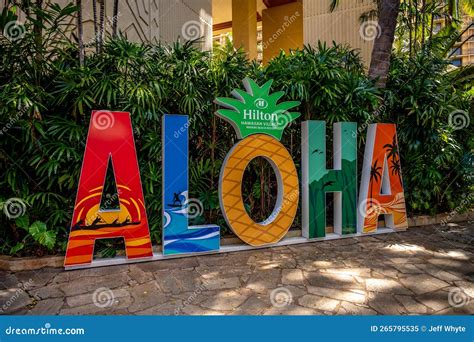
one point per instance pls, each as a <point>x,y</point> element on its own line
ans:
<point>259,120</point>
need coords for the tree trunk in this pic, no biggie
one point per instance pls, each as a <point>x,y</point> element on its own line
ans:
<point>101,23</point>
<point>38,30</point>
<point>96,31</point>
<point>115,19</point>
<point>380,63</point>
<point>80,33</point>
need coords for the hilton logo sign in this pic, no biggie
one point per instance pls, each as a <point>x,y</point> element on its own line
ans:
<point>259,120</point>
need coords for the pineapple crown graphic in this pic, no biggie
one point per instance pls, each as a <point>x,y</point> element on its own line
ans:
<point>256,110</point>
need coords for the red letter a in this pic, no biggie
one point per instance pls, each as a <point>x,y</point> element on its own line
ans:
<point>110,138</point>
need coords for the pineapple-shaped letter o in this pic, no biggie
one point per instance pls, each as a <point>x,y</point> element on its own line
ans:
<point>259,121</point>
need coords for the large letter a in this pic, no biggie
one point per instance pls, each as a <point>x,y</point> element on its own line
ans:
<point>110,137</point>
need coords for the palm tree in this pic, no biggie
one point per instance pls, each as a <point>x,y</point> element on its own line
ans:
<point>381,52</point>
<point>374,175</point>
<point>115,19</point>
<point>80,32</point>
<point>94,12</point>
<point>101,24</point>
<point>392,148</point>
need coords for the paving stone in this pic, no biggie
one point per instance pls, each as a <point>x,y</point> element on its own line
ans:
<point>466,309</point>
<point>177,281</point>
<point>166,309</point>
<point>356,296</point>
<point>423,283</point>
<point>145,296</point>
<point>187,298</point>
<point>385,304</point>
<point>118,306</point>
<point>213,260</point>
<point>386,286</point>
<point>13,299</point>
<point>440,273</point>
<point>90,284</point>
<point>212,272</point>
<point>318,303</point>
<point>353,309</point>
<point>353,271</point>
<point>296,291</point>
<point>169,264</point>
<point>466,286</point>
<point>333,280</point>
<point>68,276</point>
<point>292,276</point>
<point>140,276</point>
<point>292,310</point>
<point>263,280</point>
<point>100,296</point>
<point>45,292</point>
<point>404,273</point>
<point>384,272</point>
<point>225,300</point>
<point>411,305</point>
<point>37,278</point>
<point>47,307</point>
<point>407,268</point>
<point>254,305</point>
<point>219,284</point>
<point>196,310</point>
<point>435,301</point>
<point>8,280</point>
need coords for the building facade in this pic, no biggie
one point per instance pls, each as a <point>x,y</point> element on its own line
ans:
<point>262,27</point>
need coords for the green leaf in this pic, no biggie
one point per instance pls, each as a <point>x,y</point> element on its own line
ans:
<point>23,222</point>
<point>18,247</point>
<point>41,235</point>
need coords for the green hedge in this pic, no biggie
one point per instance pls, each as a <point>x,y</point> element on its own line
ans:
<point>46,100</point>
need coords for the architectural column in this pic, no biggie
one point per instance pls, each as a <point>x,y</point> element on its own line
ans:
<point>244,26</point>
<point>282,26</point>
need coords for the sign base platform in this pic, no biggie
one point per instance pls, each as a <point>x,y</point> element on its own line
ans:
<point>122,260</point>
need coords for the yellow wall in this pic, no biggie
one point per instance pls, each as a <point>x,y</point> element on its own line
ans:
<point>342,25</point>
<point>282,28</point>
<point>244,26</point>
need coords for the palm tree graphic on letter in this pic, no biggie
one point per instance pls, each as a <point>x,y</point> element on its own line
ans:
<point>392,152</point>
<point>374,175</point>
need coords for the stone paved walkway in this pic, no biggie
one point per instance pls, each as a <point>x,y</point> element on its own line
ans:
<point>422,271</point>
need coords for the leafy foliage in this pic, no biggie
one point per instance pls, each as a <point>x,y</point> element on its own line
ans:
<point>46,98</point>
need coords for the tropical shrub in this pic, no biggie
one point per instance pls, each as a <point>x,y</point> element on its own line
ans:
<point>46,98</point>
